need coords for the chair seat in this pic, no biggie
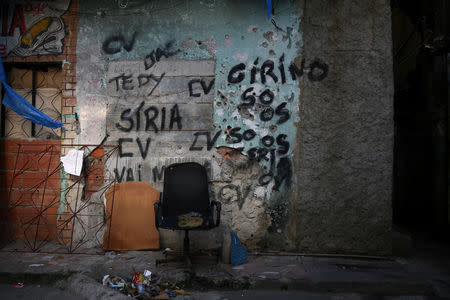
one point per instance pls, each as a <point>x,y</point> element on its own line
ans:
<point>188,222</point>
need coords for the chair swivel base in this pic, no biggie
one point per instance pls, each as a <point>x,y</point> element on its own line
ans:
<point>185,258</point>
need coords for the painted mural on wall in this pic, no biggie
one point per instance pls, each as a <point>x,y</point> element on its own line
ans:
<point>32,27</point>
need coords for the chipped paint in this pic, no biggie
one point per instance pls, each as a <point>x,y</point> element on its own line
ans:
<point>252,29</point>
<point>229,153</point>
<point>241,56</point>
<point>210,44</point>
<point>228,40</point>
<point>288,35</point>
<point>64,187</point>
<point>270,36</point>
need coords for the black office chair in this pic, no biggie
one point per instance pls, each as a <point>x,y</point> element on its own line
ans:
<point>185,203</point>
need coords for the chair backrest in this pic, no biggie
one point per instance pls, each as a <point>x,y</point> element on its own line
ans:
<point>185,190</point>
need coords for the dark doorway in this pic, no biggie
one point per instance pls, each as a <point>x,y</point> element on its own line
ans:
<point>421,43</point>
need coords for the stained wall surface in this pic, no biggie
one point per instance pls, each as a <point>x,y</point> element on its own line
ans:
<point>345,139</point>
<point>291,115</point>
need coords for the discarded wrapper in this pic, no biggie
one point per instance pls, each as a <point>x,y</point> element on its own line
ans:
<point>171,293</point>
<point>113,281</point>
<point>36,265</point>
<point>138,278</point>
<point>104,279</point>
<point>144,278</point>
<point>18,285</point>
<point>148,274</point>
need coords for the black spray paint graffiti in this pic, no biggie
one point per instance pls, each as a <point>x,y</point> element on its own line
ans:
<point>142,149</point>
<point>210,142</point>
<point>269,153</point>
<point>284,173</point>
<point>131,119</point>
<point>265,98</point>
<point>115,43</point>
<point>317,71</point>
<point>129,82</point>
<point>229,191</point>
<point>206,87</point>
<point>280,172</point>
<point>128,174</point>
<point>274,150</point>
<point>154,118</point>
<point>156,55</point>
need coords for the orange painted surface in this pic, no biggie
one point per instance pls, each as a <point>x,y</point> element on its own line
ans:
<point>131,217</point>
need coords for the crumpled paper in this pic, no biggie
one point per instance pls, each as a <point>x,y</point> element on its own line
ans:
<point>73,162</point>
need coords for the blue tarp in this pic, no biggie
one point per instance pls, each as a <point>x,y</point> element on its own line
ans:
<point>22,107</point>
<point>238,253</point>
<point>269,7</point>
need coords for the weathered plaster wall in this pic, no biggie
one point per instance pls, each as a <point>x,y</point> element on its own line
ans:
<point>346,131</point>
<point>219,72</point>
<point>298,169</point>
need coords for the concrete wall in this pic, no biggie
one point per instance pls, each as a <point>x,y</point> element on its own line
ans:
<point>296,168</point>
<point>346,133</point>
